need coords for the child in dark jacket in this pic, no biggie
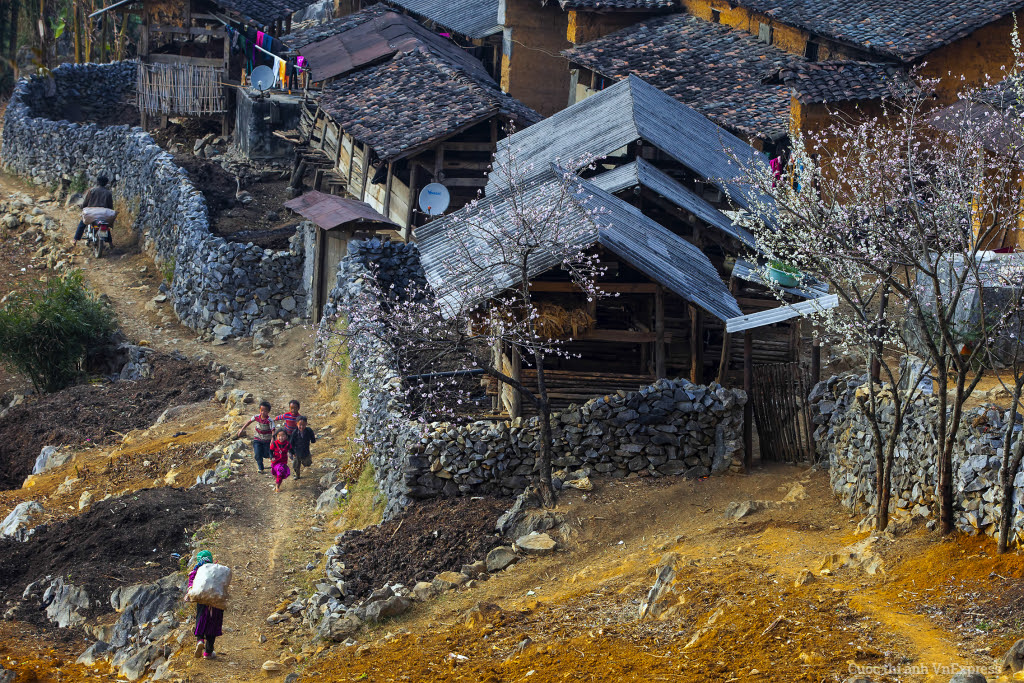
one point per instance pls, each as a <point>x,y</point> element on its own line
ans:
<point>279,450</point>
<point>300,439</point>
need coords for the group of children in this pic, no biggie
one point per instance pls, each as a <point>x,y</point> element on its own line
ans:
<point>277,443</point>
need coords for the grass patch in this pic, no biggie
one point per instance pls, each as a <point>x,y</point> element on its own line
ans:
<point>362,508</point>
<point>79,184</point>
<point>167,270</point>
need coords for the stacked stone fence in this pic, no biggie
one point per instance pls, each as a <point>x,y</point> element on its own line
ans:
<point>671,427</point>
<point>221,287</point>
<point>844,439</point>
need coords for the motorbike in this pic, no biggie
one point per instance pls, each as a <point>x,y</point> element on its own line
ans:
<point>97,235</point>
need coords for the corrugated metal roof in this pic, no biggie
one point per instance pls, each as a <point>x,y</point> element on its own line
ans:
<point>330,211</point>
<point>810,289</point>
<point>449,246</point>
<point>471,18</point>
<point>785,312</point>
<point>625,112</point>
<point>379,38</point>
<point>641,172</point>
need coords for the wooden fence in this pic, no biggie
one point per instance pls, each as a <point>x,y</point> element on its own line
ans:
<point>783,417</point>
<point>181,88</point>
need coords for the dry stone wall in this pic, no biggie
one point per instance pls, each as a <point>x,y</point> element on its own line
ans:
<point>671,427</point>
<point>844,439</point>
<point>221,287</point>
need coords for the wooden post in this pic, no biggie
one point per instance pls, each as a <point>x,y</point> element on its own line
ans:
<point>409,215</point>
<point>366,171</point>
<point>351,162</point>
<point>815,361</point>
<point>516,407</point>
<point>723,361</point>
<point>696,345</point>
<point>387,189</point>
<point>659,331</point>
<point>439,163</point>
<point>748,409</point>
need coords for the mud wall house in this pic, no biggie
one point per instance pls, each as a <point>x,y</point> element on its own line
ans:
<point>188,62</point>
<point>717,70</point>
<point>672,166</point>
<point>401,107</point>
<point>945,39</point>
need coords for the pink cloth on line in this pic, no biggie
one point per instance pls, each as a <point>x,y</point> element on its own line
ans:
<point>259,38</point>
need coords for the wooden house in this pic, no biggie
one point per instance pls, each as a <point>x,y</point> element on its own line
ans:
<point>400,108</point>
<point>339,220</point>
<point>188,54</point>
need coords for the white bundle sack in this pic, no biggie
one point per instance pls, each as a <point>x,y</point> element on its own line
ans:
<point>91,214</point>
<point>210,587</point>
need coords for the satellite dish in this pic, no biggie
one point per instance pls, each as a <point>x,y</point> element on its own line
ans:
<point>262,77</point>
<point>434,199</point>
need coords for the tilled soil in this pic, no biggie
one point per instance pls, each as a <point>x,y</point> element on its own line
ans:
<point>433,537</point>
<point>95,413</point>
<point>117,542</point>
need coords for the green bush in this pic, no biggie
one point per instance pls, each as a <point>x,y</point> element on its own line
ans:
<point>48,332</point>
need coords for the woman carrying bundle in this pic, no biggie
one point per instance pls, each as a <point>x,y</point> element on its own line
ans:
<point>209,620</point>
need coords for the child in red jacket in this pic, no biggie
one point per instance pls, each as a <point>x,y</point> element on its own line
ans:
<point>280,447</point>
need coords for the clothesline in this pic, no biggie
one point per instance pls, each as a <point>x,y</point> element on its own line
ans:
<point>258,47</point>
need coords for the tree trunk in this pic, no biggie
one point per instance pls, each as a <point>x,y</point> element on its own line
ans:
<point>1008,470</point>
<point>76,31</point>
<point>543,464</point>
<point>943,389</point>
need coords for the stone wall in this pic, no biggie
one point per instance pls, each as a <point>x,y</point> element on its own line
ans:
<point>226,288</point>
<point>843,438</point>
<point>671,427</point>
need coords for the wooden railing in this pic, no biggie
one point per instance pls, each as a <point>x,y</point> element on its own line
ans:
<point>181,88</point>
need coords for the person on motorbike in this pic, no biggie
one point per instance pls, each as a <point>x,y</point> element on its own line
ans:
<point>99,196</point>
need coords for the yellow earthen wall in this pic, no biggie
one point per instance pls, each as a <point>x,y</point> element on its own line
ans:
<point>586,26</point>
<point>535,73</point>
<point>982,52</point>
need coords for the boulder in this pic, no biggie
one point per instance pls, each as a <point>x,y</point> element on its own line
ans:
<point>49,458</point>
<point>446,581</point>
<point>1013,661</point>
<point>22,519</point>
<point>330,498</point>
<point>535,544</point>
<point>499,558</point>
<point>740,509</point>
<point>262,338</point>
<point>85,500</point>
<point>423,591</point>
<point>385,609</point>
<point>270,666</point>
<point>135,666</point>
<point>338,627</point>
<point>62,601</point>
<point>97,651</point>
<point>968,677</point>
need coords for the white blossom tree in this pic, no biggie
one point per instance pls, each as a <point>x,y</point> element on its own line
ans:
<point>897,213</point>
<point>485,318</point>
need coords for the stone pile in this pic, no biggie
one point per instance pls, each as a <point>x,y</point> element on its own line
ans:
<point>672,427</point>
<point>844,439</point>
<point>24,219</point>
<point>223,288</point>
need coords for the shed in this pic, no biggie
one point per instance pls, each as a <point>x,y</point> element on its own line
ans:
<point>339,220</point>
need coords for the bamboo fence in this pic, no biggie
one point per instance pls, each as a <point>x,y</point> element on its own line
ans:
<point>181,89</point>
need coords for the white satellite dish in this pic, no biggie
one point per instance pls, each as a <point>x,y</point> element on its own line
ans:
<point>434,199</point>
<point>262,77</point>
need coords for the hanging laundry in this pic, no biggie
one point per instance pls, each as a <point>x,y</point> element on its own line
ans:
<point>279,69</point>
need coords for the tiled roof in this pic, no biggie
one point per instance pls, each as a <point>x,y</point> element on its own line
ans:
<point>843,81</point>
<point>471,18</point>
<point>612,5</point>
<point>411,100</point>
<point>264,11</point>
<point>906,29</point>
<point>714,69</point>
<point>318,32</point>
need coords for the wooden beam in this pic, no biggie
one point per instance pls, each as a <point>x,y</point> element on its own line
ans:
<point>748,409</point>
<point>624,336</point>
<point>610,287</point>
<point>696,345</point>
<point>515,408</point>
<point>190,31</point>
<point>659,332</point>
<point>469,146</point>
<point>464,182</point>
<point>439,163</point>
<point>723,361</point>
<point>815,361</point>
<point>366,172</point>
<point>409,211</point>
<point>178,59</point>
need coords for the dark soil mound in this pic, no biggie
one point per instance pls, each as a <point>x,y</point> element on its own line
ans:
<point>433,537</point>
<point>217,185</point>
<point>97,413</point>
<point>117,542</point>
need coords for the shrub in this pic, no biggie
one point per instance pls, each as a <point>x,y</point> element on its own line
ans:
<point>47,333</point>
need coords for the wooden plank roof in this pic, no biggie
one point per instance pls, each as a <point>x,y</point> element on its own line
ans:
<point>619,115</point>
<point>645,174</point>
<point>450,245</point>
<point>330,211</point>
<point>471,18</point>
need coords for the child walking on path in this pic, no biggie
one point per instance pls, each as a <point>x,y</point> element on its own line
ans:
<point>263,432</point>
<point>290,419</point>
<point>209,620</point>
<point>280,447</point>
<point>300,439</point>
